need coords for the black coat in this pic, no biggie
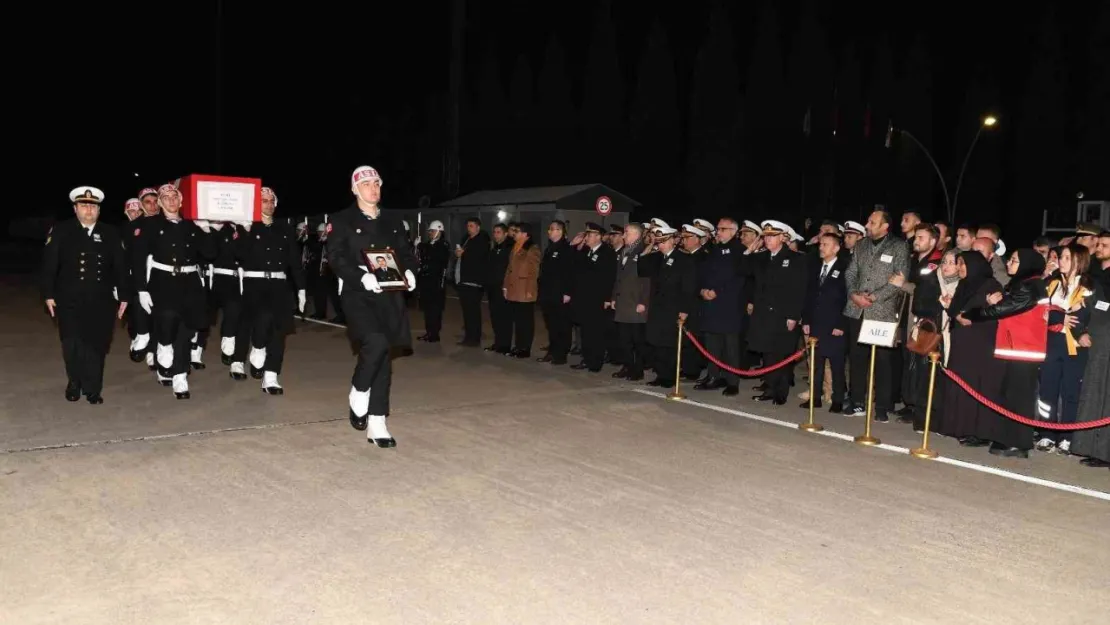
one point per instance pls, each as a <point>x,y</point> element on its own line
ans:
<point>780,292</point>
<point>178,243</point>
<point>723,272</point>
<point>271,248</point>
<point>352,232</point>
<point>557,272</point>
<point>475,259</point>
<point>593,284</point>
<point>674,290</point>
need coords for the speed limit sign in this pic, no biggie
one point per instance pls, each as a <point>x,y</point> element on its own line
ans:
<point>604,205</point>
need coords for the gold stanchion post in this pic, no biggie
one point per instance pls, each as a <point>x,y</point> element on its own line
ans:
<point>867,439</point>
<point>924,452</point>
<point>677,393</point>
<point>810,426</point>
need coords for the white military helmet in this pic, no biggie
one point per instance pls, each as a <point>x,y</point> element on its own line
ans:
<point>436,225</point>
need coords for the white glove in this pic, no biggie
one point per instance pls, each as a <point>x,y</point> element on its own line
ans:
<point>411,279</point>
<point>370,283</point>
<point>202,224</point>
<point>217,225</point>
<point>300,300</point>
<point>145,301</point>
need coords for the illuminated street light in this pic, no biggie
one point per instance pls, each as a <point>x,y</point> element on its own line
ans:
<point>990,120</point>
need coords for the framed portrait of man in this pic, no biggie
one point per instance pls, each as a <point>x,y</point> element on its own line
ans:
<point>383,265</point>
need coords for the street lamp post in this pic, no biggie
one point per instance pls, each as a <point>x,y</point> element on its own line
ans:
<point>940,176</point>
<point>988,122</point>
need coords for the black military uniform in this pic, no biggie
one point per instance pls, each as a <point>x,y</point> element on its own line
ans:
<point>138,320</point>
<point>556,277</point>
<point>499,314</point>
<point>674,290</point>
<point>269,259</point>
<point>224,291</point>
<point>780,292</point>
<point>591,291</point>
<point>692,360</point>
<point>168,256</point>
<point>435,256</point>
<point>375,321</point>
<point>84,274</point>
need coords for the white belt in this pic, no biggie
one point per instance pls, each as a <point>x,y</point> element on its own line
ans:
<point>276,275</point>
<point>218,271</point>
<point>174,269</point>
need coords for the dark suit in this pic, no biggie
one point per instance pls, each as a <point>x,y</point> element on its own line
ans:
<point>824,312</point>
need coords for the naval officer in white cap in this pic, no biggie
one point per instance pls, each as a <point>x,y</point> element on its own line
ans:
<point>84,284</point>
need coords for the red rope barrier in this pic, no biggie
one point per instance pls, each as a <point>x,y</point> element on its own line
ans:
<point>1037,423</point>
<point>744,372</point>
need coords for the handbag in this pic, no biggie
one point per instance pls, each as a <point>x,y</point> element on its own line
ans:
<point>925,338</point>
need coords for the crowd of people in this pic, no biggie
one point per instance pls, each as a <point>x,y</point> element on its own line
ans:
<point>1028,329</point>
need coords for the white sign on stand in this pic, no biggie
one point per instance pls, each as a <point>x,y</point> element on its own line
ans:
<point>880,333</point>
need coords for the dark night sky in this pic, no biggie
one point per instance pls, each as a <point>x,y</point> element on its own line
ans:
<point>308,91</point>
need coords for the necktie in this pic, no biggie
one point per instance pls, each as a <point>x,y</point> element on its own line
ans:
<point>824,272</point>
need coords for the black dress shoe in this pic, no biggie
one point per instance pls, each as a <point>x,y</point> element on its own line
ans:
<point>197,365</point>
<point>763,397</point>
<point>836,407</point>
<point>184,395</point>
<point>710,384</point>
<point>137,356</point>
<point>519,353</point>
<point>635,377</point>
<point>384,443</point>
<point>238,377</point>
<point>273,390</point>
<point>578,367</point>
<point>94,398</point>
<point>759,387</point>
<point>544,358</point>
<point>256,373</point>
<point>224,358</point>
<point>805,404</point>
<point>73,392</point>
<point>731,391</point>
<point>358,423</point>
<point>622,374</point>
<point>1094,462</point>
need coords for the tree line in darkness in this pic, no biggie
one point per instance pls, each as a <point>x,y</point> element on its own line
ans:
<point>800,132</point>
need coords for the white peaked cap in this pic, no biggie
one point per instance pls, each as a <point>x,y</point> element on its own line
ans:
<point>855,226</point>
<point>773,226</point>
<point>694,230</point>
<point>659,223</point>
<point>663,231</point>
<point>86,194</point>
<point>751,225</point>
<point>705,224</point>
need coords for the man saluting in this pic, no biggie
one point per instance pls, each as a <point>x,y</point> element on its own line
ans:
<point>84,282</point>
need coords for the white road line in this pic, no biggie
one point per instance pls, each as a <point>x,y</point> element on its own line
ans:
<point>1070,488</point>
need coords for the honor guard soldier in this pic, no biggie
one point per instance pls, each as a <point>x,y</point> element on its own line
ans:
<point>224,294</point>
<point>780,292</point>
<point>85,284</point>
<point>133,209</point>
<point>591,292</point>
<point>269,258</point>
<point>168,253</point>
<point>376,320</point>
<point>435,255</point>
<point>138,320</point>
<point>673,297</point>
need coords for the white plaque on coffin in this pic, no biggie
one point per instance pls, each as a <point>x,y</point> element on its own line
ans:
<point>225,201</point>
<point>881,333</point>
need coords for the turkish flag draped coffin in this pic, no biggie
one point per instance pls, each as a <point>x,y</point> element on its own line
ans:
<point>220,198</point>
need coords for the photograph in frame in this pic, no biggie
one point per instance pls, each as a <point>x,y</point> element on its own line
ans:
<point>383,264</point>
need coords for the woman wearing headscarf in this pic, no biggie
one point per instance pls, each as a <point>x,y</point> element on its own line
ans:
<point>1020,343</point>
<point>972,352</point>
<point>927,304</point>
